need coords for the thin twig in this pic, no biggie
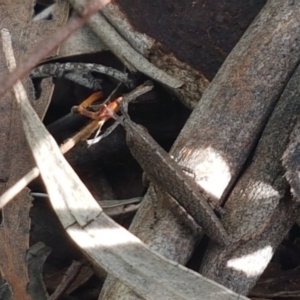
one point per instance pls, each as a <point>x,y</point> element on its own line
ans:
<point>18,186</point>
<point>103,203</point>
<point>82,135</point>
<point>60,70</point>
<point>130,97</point>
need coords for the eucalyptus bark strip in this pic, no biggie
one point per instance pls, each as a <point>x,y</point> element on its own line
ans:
<point>226,124</point>
<point>260,210</point>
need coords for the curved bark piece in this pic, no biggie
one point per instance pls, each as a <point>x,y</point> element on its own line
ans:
<point>260,211</point>
<point>226,124</point>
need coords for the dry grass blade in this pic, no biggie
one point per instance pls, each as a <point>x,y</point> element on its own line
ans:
<point>105,242</point>
<point>18,187</point>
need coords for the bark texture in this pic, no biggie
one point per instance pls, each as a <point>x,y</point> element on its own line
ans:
<point>260,209</point>
<point>225,126</point>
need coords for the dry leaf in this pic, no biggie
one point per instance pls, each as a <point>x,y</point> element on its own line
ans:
<point>15,158</point>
